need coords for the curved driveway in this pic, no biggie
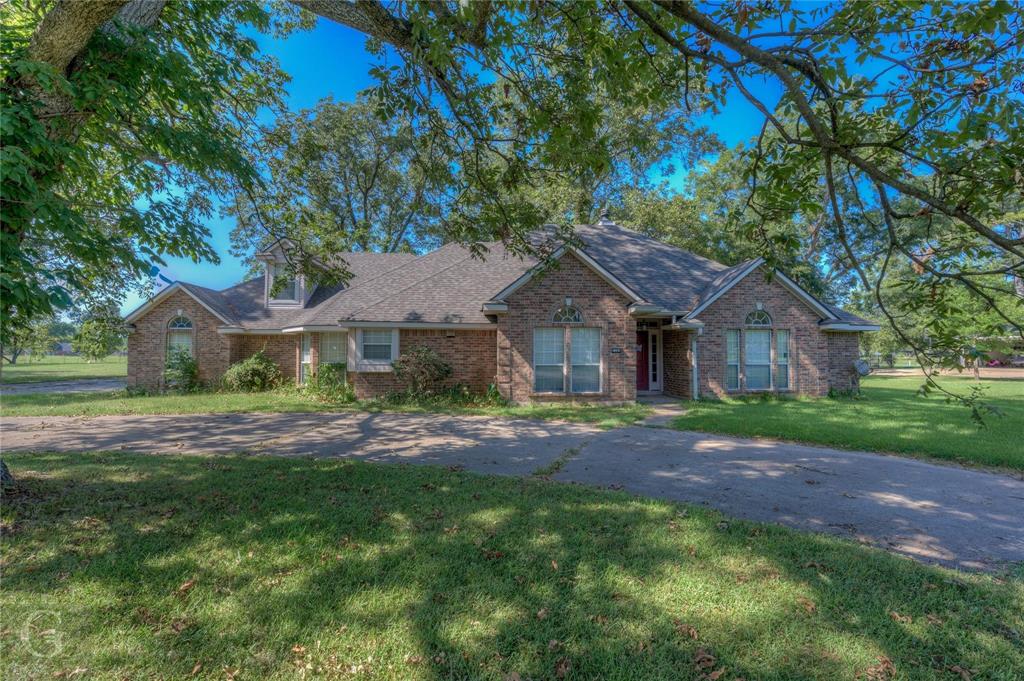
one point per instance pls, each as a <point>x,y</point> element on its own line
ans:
<point>934,513</point>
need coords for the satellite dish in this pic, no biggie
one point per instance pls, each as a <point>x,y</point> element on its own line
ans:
<point>862,367</point>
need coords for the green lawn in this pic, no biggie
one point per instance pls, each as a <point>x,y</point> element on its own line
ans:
<point>97,404</point>
<point>66,368</point>
<point>889,417</point>
<point>133,566</point>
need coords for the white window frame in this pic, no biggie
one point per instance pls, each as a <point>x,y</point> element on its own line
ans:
<point>325,357</point>
<point>777,356</point>
<point>356,361</point>
<point>561,331</point>
<point>305,356</point>
<point>599,364</point>
<point>172,331</point>
<point>298,289</point>
<point>735,334</point>
<point>747,362</point>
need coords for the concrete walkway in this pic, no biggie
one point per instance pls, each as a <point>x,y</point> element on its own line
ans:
<point>85,385</point>
<point>934,513</point>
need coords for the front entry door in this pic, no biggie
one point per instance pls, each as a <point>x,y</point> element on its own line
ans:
<point>643,362</point>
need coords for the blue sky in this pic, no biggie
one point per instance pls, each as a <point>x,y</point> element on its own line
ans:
<point>330,60</point>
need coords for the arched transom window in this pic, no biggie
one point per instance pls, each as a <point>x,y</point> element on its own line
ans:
<point>179,335</point>
<point>759,318</point>
<point>568,314</point>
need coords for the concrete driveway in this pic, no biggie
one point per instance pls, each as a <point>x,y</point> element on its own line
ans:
<point>934,513</point>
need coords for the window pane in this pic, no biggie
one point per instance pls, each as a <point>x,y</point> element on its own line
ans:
<point>758,377</point>
<point>586,346</point>
<point>548,346</point>
<point>288,288</point>
<point>377,344</point>
<point>732,377</point>
<point>758,347</point>
<point>179,340</point>
<point>586,378</point>
<point>333,348</point>
<point>548,379</point>
<point>548,360</point>
<point>732,347</point>
<point>782,377</point>
<point>782,347</point>
<point>305,355</point>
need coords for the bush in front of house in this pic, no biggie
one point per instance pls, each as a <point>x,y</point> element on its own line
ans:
<point>330,384</point>
<point>422,370</point>
<point>181,371</point>
<point>252,375</point>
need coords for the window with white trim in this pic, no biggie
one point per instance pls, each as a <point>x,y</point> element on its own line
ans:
<point>759,318</point>
<point>376,345</point>
<point>757,358</point>
<point>732,359</point>
<point>289,290</point>
<point>334,348</point>
<point>585,351</point>
<point>549,360</point>
<point>305,356</point>
<point>782,360</point>
<point>179,335</point>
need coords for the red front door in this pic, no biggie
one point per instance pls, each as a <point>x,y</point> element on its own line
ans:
<point>642,361</point>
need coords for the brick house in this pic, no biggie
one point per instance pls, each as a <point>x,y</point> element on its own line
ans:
<point>618,316</point>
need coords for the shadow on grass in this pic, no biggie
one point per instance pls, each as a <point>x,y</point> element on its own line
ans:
<point>268,565</point>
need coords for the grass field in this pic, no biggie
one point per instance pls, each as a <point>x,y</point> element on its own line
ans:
<point>133,566</point>
<point>889,417</point>
<point>62,368</point>
<point>97,404</point>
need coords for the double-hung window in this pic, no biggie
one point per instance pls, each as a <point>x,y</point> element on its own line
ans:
<point>333,348</point>
<point>179,335</point>
<point>377,345</point>
<point>585,349</point>
<point>549,360</point>
<point>284,287</point>
<point>757,351</point>
<point>732,359</point>
<point>782,360</point>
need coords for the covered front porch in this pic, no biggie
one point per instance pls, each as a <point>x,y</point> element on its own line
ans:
<point>666,356</point>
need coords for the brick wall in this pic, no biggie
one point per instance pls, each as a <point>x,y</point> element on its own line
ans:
<point>676,351</point>
<point>843,351</point>
<point>282,348</point>
<point>147,344</point>
<point>813,370</point>
<point>470,354</point>
<point>532,306</point>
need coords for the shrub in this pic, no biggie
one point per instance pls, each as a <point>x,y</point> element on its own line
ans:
<point>422,370</point>
<point>254,374</point>
<point>330,384</point>
<point>181,371</point>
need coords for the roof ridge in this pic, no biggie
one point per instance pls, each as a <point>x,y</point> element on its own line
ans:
<point>658,242</point>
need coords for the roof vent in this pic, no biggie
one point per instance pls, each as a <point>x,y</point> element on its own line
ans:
<point>605,217</point>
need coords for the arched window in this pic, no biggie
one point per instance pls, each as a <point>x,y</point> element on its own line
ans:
<point>567,315</point>
<point>179,335</point>
<point>759,318</point>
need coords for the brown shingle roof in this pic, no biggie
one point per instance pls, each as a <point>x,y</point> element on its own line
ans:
<point>449,285</point>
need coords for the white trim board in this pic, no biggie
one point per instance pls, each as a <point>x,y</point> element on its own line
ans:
<point>155,300</point>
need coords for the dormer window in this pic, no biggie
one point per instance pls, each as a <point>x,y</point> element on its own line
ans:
<point>283,287</point>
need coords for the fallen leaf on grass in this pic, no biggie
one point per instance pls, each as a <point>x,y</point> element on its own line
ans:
<point>186,587</point>
<point>554,644</point>
<point>562,667</point>
<point>715,675</point>
<point>933,619</point>
<point>196,669</point>
<point>513,676</point>
<point>703,659</point>
<point>413,659</point>
<point>554,565</point>
<point>542,613</point>
<point>965,674</point>
<point>807,604</point>
<point>883,671</point>
<point>902,619</point>
<point>686,630</point>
